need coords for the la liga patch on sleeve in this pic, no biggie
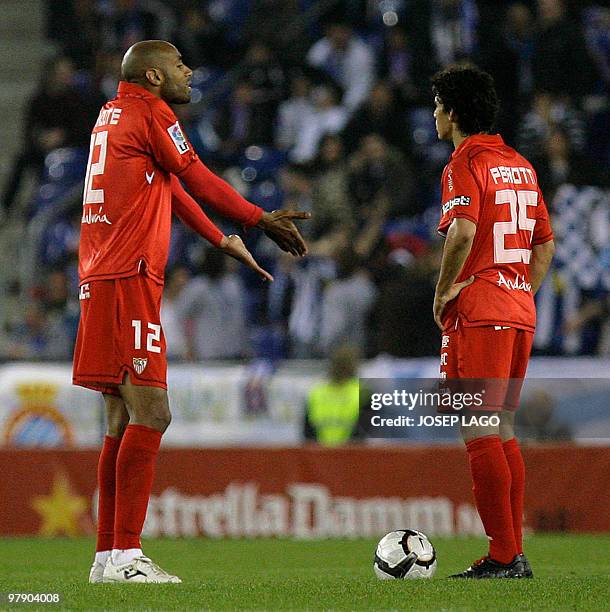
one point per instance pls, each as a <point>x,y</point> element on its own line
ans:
<point>175,133</point>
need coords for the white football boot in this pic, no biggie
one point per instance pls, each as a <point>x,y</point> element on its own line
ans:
<point>140,570</point>
<point>96,574</point>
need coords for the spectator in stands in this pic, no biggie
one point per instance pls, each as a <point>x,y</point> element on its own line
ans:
<point>506,50</point>
<point>346,59</point>
<point>238,125</point>
<point>203,40</point>
<point>38,336</point>
<point>280,24</point>
<point>75,26</point>
<point>59,243</point>
<point>378,170</point>
<point>453,30</point>
<point>561,164</point>
<point>401,325</point>
<point>376,189</point>
<point>58,115</point>
<point>293,112</point>
<point>380,114</point>
<point>347,301</point>
<point>171,320</point>
<point>297,189</point>
<point>61,304</point>
<point>593,320</point>
<point>332,414</point>
<point>331,206</point>
<point>328,117</point>
<point>212,308</point>
<point>597,30</point>
<point>125,22</point>
<point>397,67</point>
<point>107,73</point>
<point>547,112</point>
<point>266,76</point>
<point>562,64</point>
<point>519,37</point>
<point>298,293</point>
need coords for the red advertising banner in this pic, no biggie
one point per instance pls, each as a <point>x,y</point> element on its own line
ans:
<point>304,492</point>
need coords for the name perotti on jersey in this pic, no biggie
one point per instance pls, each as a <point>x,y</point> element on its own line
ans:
<point>136,145</point>
<point>490,184</point>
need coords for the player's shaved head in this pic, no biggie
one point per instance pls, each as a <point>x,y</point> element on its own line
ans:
<point>157,66</point>
<point>143,56</point>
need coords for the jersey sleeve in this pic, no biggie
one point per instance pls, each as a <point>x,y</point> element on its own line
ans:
<point>542,230</point>
<point>212,190</point>
<point>190,213</point>
<point>169,146</point>
<point>461,196</point>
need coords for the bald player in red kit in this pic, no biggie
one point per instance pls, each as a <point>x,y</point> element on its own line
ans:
<point>497,251</point>
<point>139,155</point>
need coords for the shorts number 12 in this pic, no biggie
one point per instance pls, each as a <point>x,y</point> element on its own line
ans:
<point>154,335</point>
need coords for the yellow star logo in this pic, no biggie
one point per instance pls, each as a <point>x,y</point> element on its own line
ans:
<point>60,510</point>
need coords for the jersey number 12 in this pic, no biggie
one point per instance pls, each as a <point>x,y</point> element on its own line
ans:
<point>95,196</point>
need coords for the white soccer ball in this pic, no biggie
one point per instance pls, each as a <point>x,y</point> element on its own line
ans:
<point>404,554</point>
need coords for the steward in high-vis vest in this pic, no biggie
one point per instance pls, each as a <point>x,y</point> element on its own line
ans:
<point>333,407</point>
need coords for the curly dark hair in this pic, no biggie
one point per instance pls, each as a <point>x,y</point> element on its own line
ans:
<point>470,93</point>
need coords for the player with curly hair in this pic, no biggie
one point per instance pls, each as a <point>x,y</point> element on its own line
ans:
<point>497,251</point>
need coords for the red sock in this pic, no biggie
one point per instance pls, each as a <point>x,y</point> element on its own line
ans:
<point>135,470</point>
<point>514,458</point>
<point>106,480</point>
<point>491,486</point>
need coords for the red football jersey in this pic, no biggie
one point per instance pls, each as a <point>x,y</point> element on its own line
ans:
<point>136,144</point>
<point>490,184</point>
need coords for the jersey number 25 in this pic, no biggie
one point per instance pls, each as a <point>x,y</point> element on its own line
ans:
<point>518,202</point>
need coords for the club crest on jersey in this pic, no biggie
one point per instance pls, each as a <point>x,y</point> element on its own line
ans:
<point>139,364</point>
<point>457,201</point>
<point>175,133</point>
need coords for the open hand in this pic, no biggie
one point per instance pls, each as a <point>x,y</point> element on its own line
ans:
<point>278,225</point>
<point>233,245</point>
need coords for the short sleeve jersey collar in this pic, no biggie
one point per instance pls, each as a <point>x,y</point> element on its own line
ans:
<point>486,140</point>
<point>134,90</point>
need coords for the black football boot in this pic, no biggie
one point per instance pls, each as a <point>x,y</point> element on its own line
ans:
<point>488,568</point>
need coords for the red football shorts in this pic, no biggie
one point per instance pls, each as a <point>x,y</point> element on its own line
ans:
<point>119,332</point>
<point>493,358</point>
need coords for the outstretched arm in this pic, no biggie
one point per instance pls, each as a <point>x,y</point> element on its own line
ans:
<point>190,213</point>
<point>277,225</point>
<point>211,189</point>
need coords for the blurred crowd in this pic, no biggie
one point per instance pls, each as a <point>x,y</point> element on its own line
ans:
<point>324,107</point>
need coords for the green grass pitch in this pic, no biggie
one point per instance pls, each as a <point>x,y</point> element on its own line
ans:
<point>572,573</point>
